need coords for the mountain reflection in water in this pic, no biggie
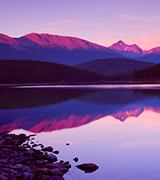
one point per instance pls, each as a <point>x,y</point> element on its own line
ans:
<point>48,109</point>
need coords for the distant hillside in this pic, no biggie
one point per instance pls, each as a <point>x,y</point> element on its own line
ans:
<point>52,48</point>
<point>148,74</point>
<point>29,71</point>
<point>113,66</point>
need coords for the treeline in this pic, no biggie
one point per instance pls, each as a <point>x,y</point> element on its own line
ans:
<point>31,71</point>
<point>148,74</point>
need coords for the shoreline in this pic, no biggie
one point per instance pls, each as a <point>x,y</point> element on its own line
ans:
<point>79,84</point>
<point>19,159</point>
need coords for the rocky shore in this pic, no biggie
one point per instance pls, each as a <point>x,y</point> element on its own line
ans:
<point>22,158</point>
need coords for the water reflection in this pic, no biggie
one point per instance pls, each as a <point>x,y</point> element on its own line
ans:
<point>126,151</point>
<point>48,109</point>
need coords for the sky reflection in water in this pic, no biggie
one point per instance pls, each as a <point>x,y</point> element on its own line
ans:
<point>118,129</point>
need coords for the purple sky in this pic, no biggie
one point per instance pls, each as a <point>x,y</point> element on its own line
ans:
<point>100,21</point>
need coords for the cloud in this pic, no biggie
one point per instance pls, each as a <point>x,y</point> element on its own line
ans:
<point>61,22</point>
<point>54,23</point>
<point>68,21</point>
<point>126,17</point>
<point>91,24</point>
<point>149,18</point>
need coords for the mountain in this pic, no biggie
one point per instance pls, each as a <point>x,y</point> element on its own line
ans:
<point>114,65</point>
<point>135,52</point>
<point>152,55</point>
<point>52,48</point>
<point>130,51</point>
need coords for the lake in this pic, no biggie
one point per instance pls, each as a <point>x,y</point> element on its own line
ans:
<point>116,127</point>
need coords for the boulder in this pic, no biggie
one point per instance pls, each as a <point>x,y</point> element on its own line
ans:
<point>88,167</point>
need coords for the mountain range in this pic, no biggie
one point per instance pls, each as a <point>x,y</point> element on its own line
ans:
<point>69,50</point>
<point>52,48</point>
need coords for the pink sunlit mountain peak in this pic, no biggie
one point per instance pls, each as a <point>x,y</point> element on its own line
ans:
<point>126,50</point>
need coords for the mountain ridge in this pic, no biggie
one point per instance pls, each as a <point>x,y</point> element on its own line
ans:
<point>53,48</point>
<point>129,51</point>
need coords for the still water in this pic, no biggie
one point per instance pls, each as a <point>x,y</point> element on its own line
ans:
<point>115,127</point>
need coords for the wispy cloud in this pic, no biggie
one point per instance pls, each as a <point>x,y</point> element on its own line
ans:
<point>61,22</point>
<point>138,18</point>
<point>54,23</point>
<point>68,21</point>
<point>126,17</point>
<point>91,24</point>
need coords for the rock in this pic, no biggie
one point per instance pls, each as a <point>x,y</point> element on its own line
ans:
<point>3,161</point>
<point>26,169</point>
<point>3,177</point>
<point>56,172</point>
<point>62,165</point>
<point>40,162</point>
<point>30,151</point>
<point>56,178</point>
<point>43,170</point>
<point>26,175</point>
<point>88,167</point>
<point>49,149</point>
<point>52,157</point>
<point>35,145</point>
<point>22,136</point>
<point>56,152</point>
<point>63,169</point>
<point>75,159</point>
<point>18,166</point>
<point>67,162</point>
<point>45,177</point>
<point>50,165</point>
